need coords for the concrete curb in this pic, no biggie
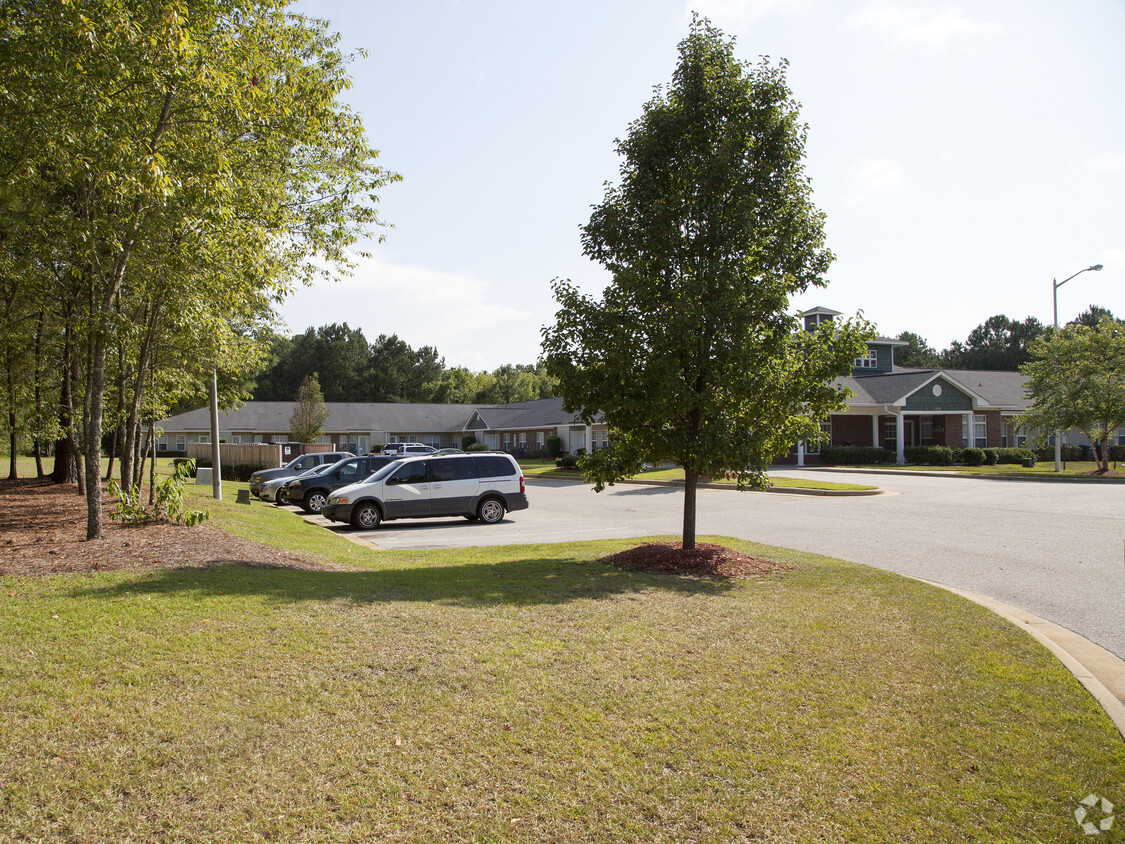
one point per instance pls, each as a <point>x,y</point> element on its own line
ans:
<point>704,485</point>
<point>953,473</point>
<point>1099,671</point>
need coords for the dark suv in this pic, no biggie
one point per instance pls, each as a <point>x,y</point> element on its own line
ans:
<point>295,467</point>
<point>311,492</point>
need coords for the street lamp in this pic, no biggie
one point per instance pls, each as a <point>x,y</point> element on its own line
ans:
<point>1055,285</point>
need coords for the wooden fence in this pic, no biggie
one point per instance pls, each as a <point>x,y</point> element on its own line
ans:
<point>268,455</point>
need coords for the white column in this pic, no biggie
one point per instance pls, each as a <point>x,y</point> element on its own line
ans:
<point>900,435</point>
<point>801,453</point>
<point>875,430</point>
<point>589,440</point>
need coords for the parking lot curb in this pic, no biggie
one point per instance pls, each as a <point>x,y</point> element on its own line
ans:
<point>709,485</point>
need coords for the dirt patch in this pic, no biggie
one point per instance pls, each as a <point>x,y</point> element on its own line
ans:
<point>43,531</point>
<point>704,559</point>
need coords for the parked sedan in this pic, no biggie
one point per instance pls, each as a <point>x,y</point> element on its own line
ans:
<point>272,490</point>
<point>295,467</point>
<point>311,491</point>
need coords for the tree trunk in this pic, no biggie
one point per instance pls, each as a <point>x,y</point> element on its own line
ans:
<point>691,481</point>
<point>38,438</point>
<point>66,462</point>
<point>13,468</point>
<point>130,476</point>
<point>92,418</point>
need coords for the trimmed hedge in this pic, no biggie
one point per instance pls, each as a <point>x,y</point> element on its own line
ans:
<point>567,461</point>
<point>929,455</point>
<point>972,456</point>
<point>846,455</point>
<point>475,446</point>
<point>1046,453</point>
<point>1013,455</point>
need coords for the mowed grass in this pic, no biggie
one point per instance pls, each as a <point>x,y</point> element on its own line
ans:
<point>529,694</point>
<point>677,475</point>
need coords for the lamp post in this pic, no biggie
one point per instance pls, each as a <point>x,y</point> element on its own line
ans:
<point>1055,285</point>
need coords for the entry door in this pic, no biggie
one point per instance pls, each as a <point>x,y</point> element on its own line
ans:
<point>908,432</point>
<point>406,493</point>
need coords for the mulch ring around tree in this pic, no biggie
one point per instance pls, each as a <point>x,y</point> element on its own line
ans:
<point>43,531</point>
<point>704,560</point>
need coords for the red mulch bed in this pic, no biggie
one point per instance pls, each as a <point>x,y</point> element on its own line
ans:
<point>704,559</point>
<point>43,531</point>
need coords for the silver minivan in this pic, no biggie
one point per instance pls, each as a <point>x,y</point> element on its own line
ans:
<point>479,486</point>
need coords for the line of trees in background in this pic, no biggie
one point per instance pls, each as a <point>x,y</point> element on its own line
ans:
<point>351,369</point>
<point>168,172</point>
<point>998,343</point>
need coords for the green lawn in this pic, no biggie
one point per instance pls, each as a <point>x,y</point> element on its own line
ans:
<point>1043,468</point>
<point>545,469</point>
<point>529,694</point>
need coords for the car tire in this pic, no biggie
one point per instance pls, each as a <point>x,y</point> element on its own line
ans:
<point>491,511</point>
<point>366,517</point>
<point>314,501</point>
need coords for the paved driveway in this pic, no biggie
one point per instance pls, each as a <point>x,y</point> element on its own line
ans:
<point>1054,549</point>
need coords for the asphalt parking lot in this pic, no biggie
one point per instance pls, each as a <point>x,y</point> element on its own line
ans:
<point>1054,549</point>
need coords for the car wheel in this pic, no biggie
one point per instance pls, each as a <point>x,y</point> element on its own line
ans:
<point>490,511</point>
<point>315,501</point>
<point>366,517</point>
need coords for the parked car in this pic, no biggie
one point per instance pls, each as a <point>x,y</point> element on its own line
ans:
<point>310,491</point>
<point>295,467</point>
<point>479,486</point>
<point>271,490</point>
<point>450,451</point>
<point>407,449</point>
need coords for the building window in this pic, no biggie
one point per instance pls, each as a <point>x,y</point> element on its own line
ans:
<point>540,440</point>
<point>926,430</point>
<point>523,439</point>
<point>507,442</point>
<point>180,443</point>
<point>432,440</point>
<point>980,432</point>
<point>869,361</point>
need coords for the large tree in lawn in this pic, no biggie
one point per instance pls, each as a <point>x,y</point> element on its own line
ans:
<point>691,355</point>
<point>1076,379</point>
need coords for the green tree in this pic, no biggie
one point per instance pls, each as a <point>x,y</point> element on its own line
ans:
<point>1076,379</point>
<point>306,425</point>
<point>916,353</point>
<point>999,343</point>
<point>200,147</point>
<point>691,355</point>
<point>1092,316</point>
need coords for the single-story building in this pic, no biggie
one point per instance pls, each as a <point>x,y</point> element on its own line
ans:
<point>519,427</point>
<point>890,406</point>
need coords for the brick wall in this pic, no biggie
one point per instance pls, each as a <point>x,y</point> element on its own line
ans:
<point>851,430</point>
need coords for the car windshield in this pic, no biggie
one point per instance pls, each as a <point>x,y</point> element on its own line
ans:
<point>383,471</point>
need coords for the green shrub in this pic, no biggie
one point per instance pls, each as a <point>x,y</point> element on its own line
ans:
<point>848,455</point>
<point>231,472</point>
<point>1014,456</point>
<point>475,446</point>
<point>169,504</point>
<point>1046,453</point>
<point>929,455</point>
<point>554,445</point>
<point>972,456</point>
<point>1117,452</point>
<point>468,441</point>
<point>567,461</point>
<point>990,457</point>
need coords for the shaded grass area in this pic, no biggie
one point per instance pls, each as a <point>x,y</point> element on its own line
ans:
<point>530,694</point>
<point>677,475</point>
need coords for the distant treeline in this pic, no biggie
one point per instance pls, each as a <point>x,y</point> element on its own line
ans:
<point>998,343</point>
<point>351,369</point>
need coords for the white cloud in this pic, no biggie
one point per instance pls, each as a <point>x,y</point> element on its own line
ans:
<point>456,313</point>
<point>873,178</point>
<point>921,25</point>
<point>1107,163</point>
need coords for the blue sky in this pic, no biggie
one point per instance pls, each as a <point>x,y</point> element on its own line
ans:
<point>965,154</point>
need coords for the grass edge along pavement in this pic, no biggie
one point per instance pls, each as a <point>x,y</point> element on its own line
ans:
<point>530,693</point>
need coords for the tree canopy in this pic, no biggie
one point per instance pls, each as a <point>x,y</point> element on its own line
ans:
<point>690,355</point>
<point>309,413</point>
<point>169,171</point>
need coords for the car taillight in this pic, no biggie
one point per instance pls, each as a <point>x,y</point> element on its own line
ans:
<point>522,488</point>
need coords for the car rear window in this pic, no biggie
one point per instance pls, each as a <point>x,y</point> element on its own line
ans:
<point>494,466</point>
<point>452,469</point>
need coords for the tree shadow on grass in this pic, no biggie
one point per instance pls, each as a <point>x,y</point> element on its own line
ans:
<point>526,582</point>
